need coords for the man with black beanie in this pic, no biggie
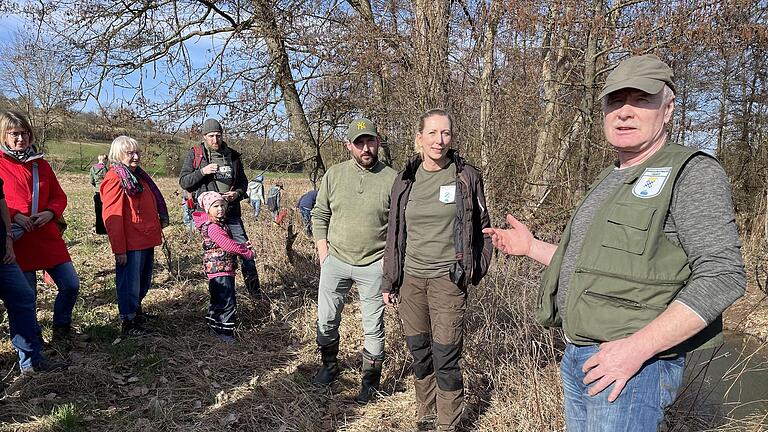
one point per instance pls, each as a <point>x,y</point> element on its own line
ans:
<point>213,166</point>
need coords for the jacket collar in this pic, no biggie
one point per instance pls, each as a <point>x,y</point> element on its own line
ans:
<point>409,172</point>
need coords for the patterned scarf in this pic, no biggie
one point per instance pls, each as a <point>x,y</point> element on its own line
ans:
<point>21,155</point>
<point>129,180</point>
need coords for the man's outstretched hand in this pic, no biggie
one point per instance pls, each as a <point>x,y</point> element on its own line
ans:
<point>516,240</point>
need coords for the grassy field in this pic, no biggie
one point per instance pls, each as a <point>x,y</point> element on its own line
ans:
<point>181,379</point>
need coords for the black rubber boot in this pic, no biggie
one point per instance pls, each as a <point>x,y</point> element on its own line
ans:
<point>253,287</point>
<point>330,369</point>
<point>371,378</point>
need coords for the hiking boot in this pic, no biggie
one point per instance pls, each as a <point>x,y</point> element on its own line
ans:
<point>226,338</point>
<point>426,423</point>
<point>61,333</point>
<point>142,317</point>
<point>133,328</point>
<point>330,369</point>
<point>44,366</point>
<point>371,378</point>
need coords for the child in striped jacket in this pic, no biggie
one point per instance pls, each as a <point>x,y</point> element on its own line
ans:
<point>220,254</point>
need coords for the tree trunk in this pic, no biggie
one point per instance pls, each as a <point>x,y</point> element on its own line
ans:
<point>297,118</point>
<point>486,82</point>
<point>548,151</point>
<point>724,104</point>
<point>377,76</point>
<point>587,105</point>
<point>431,56</point>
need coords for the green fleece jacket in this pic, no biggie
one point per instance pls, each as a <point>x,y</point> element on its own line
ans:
<point>352,209</point>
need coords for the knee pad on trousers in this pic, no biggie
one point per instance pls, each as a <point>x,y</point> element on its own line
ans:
<point>447,369</point>
<point>421,349</point>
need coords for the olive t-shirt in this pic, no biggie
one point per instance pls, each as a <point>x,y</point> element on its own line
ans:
<point>430,250</point>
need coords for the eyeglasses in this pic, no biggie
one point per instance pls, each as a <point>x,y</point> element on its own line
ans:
<point>17,135</point>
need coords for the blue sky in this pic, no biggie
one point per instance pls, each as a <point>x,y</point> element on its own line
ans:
<point>120,92</point>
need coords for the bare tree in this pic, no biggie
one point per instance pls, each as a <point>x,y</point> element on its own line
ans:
<point>40,81</point>
<point>179,59</point>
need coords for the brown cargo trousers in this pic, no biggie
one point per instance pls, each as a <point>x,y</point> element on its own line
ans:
<point>432,311</point>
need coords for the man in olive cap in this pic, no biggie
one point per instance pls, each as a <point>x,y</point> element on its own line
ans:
<point>647,264</point>
<point>213,166</point>
<point>349,224</point>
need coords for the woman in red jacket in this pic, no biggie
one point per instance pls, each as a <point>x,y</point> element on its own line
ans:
<point>36,201</point>
<point>134,214</point>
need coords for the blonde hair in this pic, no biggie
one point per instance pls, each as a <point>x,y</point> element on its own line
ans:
<point>420,126</point>
<point>13,120</point>
<point>120,146</point>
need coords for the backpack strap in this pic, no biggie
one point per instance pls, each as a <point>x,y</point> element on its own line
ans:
<point>198,149</point>
<point>35,188</point>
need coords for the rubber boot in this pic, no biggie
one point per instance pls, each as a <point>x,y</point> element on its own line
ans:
<point>253,287</point>
<point>371,377</point>
<point>330,369</point>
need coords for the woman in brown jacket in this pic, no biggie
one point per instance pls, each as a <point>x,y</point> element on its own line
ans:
<point>444,253</point>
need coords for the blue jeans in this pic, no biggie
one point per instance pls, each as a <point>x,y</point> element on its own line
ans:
<point>186,215</point>
<point>640,406</point>
<point>256,204</point>
<point>19,299</point>
<point>132,281</point>
<point>67,283</point>
<point>223,307</point>
<point>235,225</point>
<point>306,217</point>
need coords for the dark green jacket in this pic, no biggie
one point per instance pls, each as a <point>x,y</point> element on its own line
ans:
<point>627,271</point>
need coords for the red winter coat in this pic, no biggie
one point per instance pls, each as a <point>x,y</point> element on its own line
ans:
<point>132,222</point>
<point>41,248</point>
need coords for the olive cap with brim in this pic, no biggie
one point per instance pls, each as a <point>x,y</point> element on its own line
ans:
<point>360,127</point>
<point>646,72</point>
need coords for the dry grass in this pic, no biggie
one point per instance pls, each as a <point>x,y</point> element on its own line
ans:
<point>184,380</point>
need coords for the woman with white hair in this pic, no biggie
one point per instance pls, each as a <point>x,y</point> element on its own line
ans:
<point>134,214</point>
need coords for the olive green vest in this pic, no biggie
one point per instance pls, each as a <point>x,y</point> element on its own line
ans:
<point>627,271</point>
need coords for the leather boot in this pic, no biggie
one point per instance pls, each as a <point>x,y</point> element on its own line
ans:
<point>330,369</point>
<point>371,377</point>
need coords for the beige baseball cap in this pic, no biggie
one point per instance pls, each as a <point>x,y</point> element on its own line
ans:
<point>646,72</point>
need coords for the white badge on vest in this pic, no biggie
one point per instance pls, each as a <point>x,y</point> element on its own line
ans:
<point>651,182</point>
<point>447,194</point>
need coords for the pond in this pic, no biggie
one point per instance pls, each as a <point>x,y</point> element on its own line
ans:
<point>733,386</point>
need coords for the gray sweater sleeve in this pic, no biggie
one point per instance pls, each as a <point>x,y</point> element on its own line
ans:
<point>702,221</point>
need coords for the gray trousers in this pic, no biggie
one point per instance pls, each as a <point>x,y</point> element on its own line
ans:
<point>336,278</point>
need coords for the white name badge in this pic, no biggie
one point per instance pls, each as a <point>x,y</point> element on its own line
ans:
<point>447,194</point>
<point>651,182</point>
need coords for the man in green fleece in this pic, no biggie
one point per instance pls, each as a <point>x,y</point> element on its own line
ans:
<point>349,222</point>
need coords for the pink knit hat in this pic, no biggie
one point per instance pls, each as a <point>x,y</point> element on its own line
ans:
<point>206,199</point>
